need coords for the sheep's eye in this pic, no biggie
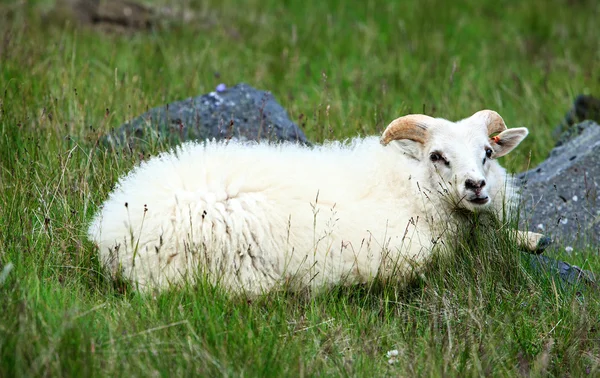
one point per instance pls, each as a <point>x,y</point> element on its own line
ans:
<point>435,157</point>
<point>488,153</point>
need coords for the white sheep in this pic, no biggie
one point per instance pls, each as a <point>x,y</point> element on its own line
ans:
<point>254,217</point>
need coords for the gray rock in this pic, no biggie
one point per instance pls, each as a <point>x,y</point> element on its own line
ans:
<point>561,197</point>
<point>239,112</point>
<point>108,15</point>
<point>569,274</point>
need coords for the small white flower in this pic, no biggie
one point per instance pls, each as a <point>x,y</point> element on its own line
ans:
<point>392,356</point>
<point>564,221</point>
<point>575,198</point>
<point>569,249</point>
<point>392,353</point>
<point>540,227</point>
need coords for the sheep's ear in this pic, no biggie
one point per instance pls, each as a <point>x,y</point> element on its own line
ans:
<point>410,148</point>
<point>507,140</point>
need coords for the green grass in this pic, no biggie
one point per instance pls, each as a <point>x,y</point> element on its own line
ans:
<point>341,70</point>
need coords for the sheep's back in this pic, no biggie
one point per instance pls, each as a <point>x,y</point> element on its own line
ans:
<point>248,216</point>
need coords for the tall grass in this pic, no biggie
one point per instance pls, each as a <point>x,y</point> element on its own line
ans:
<point>340,70</point>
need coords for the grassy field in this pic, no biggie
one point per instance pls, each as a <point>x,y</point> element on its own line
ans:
<point>342,70</point>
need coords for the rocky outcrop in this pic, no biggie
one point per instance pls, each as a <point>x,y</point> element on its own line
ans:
<point>117,15</point>
<point>124,16</point>
<point>240,112</point>
<point>561,197</point>
<point>568,274</point>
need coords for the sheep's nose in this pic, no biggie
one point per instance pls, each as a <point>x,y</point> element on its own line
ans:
<point>474,185</point>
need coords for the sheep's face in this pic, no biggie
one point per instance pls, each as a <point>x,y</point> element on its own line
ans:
<point>459,158</point>
<point>460,161</point>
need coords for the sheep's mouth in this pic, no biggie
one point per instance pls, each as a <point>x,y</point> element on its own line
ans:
<point>480,200</point>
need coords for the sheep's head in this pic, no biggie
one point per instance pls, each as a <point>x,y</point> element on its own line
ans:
<point>459,157</point>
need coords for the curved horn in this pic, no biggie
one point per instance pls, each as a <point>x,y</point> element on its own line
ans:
<point>412,126</point>
<point>493,121</point>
